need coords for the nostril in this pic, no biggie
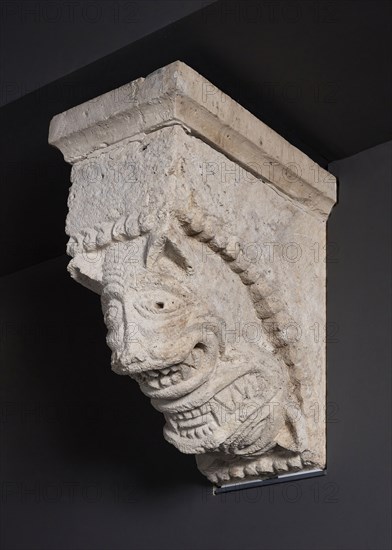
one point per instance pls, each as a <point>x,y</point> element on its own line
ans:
<point>159,305</point>
<point>201,346</point>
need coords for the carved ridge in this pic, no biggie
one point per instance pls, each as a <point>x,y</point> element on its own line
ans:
<point>211,231</point>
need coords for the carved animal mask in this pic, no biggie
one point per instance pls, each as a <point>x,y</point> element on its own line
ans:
<point>220,385</point>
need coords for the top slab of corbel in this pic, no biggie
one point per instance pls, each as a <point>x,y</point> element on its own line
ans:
<point>176,94</point>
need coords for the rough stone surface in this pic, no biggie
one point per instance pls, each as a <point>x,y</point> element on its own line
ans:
<point>211,276</point>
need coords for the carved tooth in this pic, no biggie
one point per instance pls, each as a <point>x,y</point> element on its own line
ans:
<point>240,384</point>
<point>165,381</point>
<point>184,372</point>
<point>181,372</point>
<point>173,379</point>
<point>207,417</point>
<point>250,390</point>
<point>205,408</point>
<point>237,471</point>
<point>190,433</point>
<point>212,477</point>
<point>166,370</point>
<point>154,383</point>
<point>280,465</point>
<point>215,411</point>
<point>175,427</point>
<point>199,432</point>
<point>250,470</point>
<point>252,384</point>
<point>176,377</point>
<point>264,465</point>
<point>295,462</point>
<point>243,386</point>
<point>223,475</point>
<point>118,230</point>
<point>149,373</point>
<point>238,389</point>
<point>236,395</point>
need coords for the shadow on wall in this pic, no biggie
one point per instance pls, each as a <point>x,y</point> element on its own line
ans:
<point>64,404</point>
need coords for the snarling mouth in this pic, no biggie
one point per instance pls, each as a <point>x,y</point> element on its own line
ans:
<point>162,378</point>
<point>177,379</point>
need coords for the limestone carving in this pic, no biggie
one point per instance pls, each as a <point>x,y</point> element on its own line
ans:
<point>170,230</point>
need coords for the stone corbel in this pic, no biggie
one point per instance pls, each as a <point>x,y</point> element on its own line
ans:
<point>204,233</point>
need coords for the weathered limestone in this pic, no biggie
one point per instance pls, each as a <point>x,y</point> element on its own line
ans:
<point>204,233</point>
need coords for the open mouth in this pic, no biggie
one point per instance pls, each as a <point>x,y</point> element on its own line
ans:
<point>177,379</point>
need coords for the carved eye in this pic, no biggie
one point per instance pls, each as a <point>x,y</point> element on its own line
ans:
<point>159,302</point>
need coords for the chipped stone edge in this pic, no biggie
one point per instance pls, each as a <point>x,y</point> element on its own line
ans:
<point>176,94</point>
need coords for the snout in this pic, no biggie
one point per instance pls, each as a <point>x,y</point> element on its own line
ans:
<point>153,349</point>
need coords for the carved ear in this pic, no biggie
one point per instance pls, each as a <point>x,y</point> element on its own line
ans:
<point>154,248</point>
<point>86,269</point>
<point>171,244</point>
<point>179,253</point>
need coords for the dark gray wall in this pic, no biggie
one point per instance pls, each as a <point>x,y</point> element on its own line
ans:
<point>316,71</point>
<point>83,461</point>
<point>41,41</point>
